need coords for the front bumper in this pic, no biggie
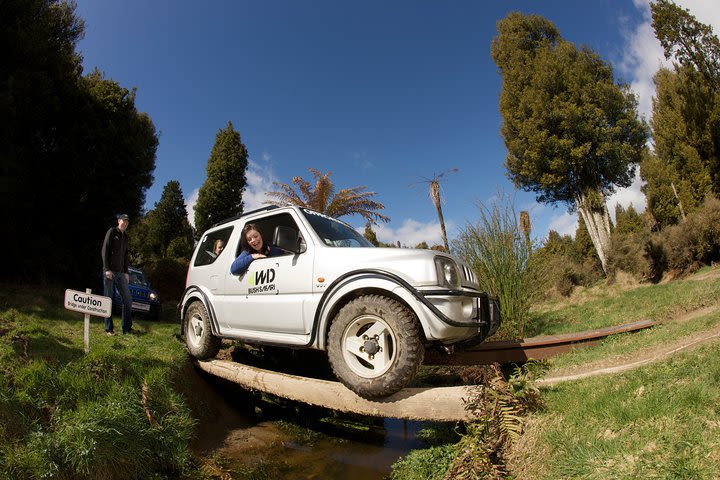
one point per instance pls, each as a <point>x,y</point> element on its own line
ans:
<point>463,309</point>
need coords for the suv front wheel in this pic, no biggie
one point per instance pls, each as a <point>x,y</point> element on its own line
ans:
<point>375,346</point>
<point>198,336</point>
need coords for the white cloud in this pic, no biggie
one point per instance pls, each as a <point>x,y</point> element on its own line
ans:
<point>411,232</point>
<point>260,180</point>
<point>628,196</point>
<point>190,206</point>
<point>644,55</point>
<point>565,223</point>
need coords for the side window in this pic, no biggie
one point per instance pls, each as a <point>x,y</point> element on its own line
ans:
<point>267,227</point>
<point>212,246</point>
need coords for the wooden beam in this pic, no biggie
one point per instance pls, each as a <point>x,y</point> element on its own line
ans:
<point>441,404</point>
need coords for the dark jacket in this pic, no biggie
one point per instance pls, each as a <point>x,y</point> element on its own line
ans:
<point>115,251</point>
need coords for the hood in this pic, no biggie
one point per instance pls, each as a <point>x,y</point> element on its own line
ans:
<point>415,266</point>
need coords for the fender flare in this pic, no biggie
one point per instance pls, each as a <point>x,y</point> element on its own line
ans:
<point>324,308</point>
<point>192,293</point>
<point>357,284</point>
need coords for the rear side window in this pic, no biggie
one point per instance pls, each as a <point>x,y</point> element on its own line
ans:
<point>212,246</point>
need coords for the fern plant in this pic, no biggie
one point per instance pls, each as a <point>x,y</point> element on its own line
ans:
<point>499,405</point>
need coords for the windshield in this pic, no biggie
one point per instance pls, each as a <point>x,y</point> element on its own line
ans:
<point>334,233</point>
<point>137,278</point>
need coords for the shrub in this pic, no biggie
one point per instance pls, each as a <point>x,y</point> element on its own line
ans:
<point>695,241</point>
<point>628,253</point>
<point>168,277</point>
<point>560,270</point>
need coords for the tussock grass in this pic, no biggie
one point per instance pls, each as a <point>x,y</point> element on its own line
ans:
<point>110,414</point>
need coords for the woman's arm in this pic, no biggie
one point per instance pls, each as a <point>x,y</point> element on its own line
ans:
<point>241,263</point>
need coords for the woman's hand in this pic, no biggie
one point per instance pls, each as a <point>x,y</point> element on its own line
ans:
<point>258,255</point>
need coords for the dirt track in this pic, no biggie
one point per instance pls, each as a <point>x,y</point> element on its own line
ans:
<point>640,357</point>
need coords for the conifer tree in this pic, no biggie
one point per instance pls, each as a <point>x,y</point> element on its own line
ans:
<point>685,165</point>
<point>571,133</point>
<point>370,235</point>
<point>220,197</point>
<point>168,222</point>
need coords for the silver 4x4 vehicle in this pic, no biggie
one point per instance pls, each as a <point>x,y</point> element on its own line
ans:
<point>374,310</point>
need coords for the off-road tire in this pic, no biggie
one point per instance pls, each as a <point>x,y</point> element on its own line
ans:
<point>401,343</point>
<point>199,339</point>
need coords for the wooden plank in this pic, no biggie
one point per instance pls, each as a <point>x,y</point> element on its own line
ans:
<point>538,348</point>
<point>442,404</point>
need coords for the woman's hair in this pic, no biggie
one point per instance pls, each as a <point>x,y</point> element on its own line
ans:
<point>243,239</point>
<point>217,243</point>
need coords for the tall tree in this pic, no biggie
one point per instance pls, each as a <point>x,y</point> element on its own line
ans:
<point>39,71</point>
<point>686,134</point>
<point>571,133</point>
<point>685,124</point>
<point>73,150</point>
<point>690,42</point>
<point>168,221</point>
<point>220,196</point>
<point>322,198</point>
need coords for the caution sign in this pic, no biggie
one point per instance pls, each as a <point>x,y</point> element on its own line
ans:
<point>97,305</point>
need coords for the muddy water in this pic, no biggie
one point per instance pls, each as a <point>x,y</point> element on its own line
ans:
<point>241,433</point>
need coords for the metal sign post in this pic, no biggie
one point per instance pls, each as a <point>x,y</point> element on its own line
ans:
<point>86,328</point>
<point>88,304</point>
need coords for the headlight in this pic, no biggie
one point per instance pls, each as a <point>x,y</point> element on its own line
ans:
<point>153,296</point>
<point>447,272</point>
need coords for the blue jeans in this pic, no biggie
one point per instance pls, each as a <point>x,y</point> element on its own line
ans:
<point>121,283</point>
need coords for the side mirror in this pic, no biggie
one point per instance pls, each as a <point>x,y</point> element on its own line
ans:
<point>288,239</point>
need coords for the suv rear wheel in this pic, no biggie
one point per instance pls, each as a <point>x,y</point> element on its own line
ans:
<point>375,346</point>
<point>198,336</point>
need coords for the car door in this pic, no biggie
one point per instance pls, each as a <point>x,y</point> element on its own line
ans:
<point>271,294</point>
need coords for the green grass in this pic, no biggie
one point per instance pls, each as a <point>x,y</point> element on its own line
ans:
<point>607,307</point>
<point>110,414</point>
<point>659,421</point>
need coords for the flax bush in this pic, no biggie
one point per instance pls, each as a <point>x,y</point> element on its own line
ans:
<point>499,252</point>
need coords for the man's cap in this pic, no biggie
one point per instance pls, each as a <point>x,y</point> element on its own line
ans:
<point>123,216</point>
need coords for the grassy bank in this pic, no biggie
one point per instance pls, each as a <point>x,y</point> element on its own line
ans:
<point>661,421</point>
<point>110,414</point>
<point>658,421</point>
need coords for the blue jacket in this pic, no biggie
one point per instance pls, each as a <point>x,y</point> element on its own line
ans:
<point>243,261</point>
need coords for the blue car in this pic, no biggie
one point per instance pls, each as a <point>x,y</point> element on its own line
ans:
<point>145,300</point>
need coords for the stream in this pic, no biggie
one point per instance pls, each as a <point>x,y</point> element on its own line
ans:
<point>261,437</point>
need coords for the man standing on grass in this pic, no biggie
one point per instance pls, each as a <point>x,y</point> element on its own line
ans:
<point>115,272</point>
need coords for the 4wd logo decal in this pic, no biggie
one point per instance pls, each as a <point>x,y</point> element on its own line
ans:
<point>261,281</point>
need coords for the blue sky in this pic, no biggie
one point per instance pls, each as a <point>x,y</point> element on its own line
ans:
<point>384,94</point>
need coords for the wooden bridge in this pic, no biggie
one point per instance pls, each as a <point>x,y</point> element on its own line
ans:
<point>433,403</point>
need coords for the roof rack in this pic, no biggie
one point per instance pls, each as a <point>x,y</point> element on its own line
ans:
<point>245,214</point>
